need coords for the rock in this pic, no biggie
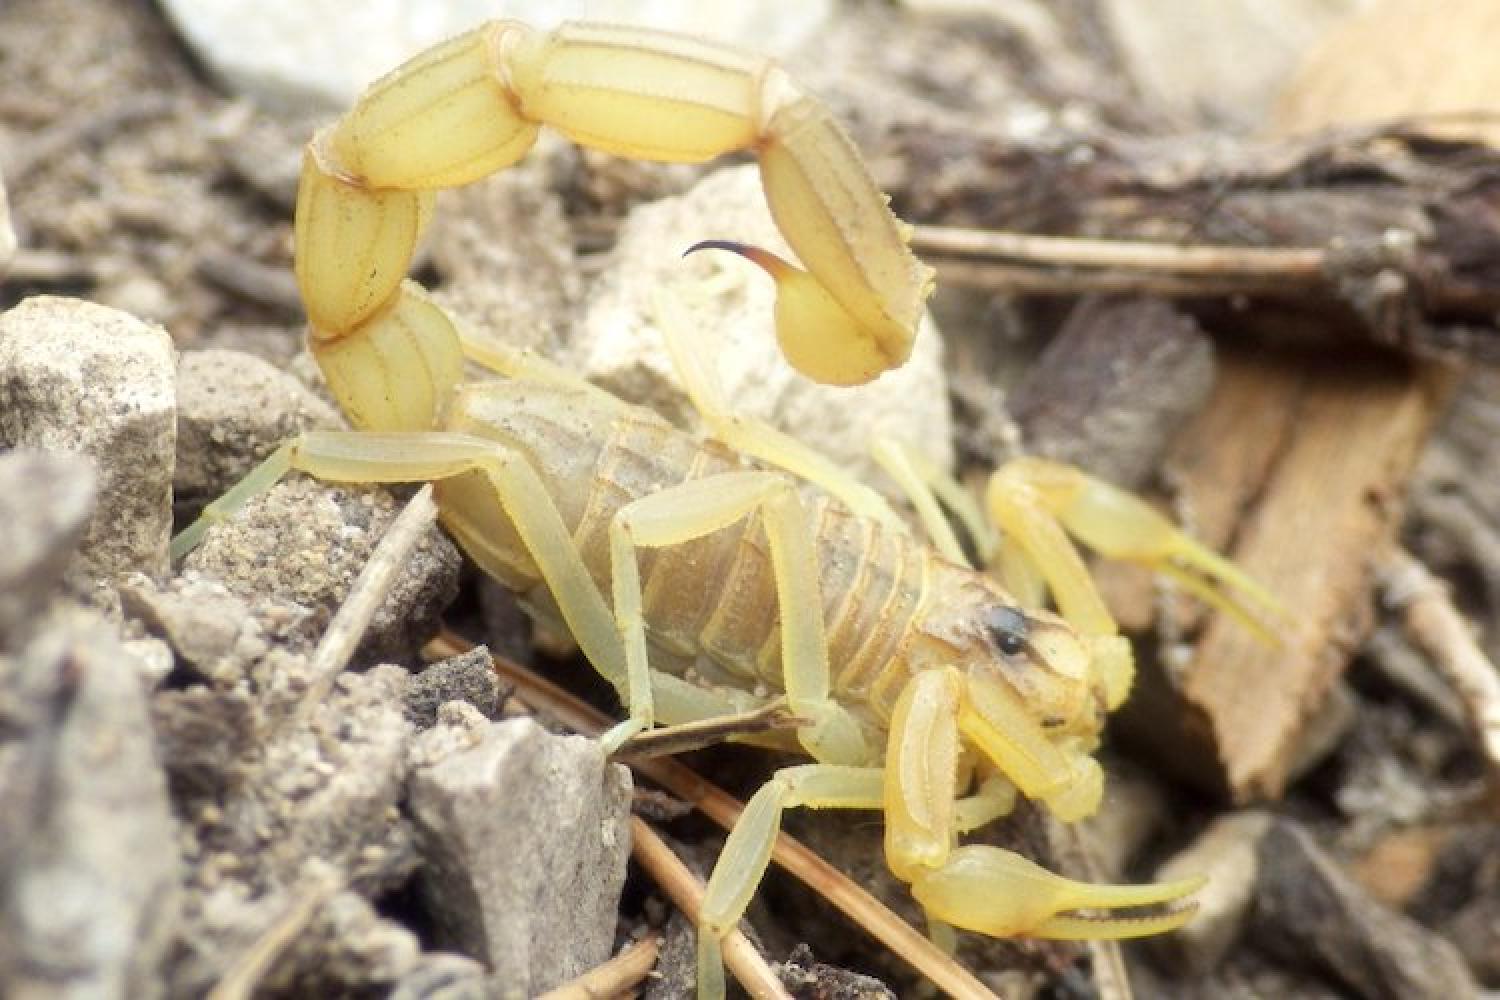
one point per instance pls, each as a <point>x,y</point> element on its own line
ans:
<point>208,628</point>
<point>203,737</point>
<point>89,864</point>
<point>82,378</point>
<point>729,303</point>
<point>305,543</point>
<point>440,975</point>
<point>152,659</point>
<point>1309,911</point>
<point>468,677</point>
<point>676,974</point>
<point>1226,853</point>
<point>328,788</point>
<point>45,503</point>
<point>281,53</point>
<point>233,410</point>
<point>1217,65</point>
<point>525,837</point>
<point>505,251</point>
<point>343,946</point>
<point>220,921</point>
<point>1113,386</point>
<point>349,949</point>
<point>806,976</point>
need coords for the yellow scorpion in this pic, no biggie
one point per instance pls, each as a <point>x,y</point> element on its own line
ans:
<point>924,689</point>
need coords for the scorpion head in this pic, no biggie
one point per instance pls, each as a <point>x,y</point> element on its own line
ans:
<point>1047,664</point>
<point>1064,681</point>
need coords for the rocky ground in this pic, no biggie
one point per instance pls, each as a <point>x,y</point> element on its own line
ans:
<point>202,789</point>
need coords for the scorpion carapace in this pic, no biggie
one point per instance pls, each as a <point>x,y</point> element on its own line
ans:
<point>705,578</point>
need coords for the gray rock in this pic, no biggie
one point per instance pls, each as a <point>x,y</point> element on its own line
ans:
<point>152,659</point>
<point>203,738</point>
<point>1226,853</point>
<point>89,864</point>
<point>45,503</point>
<point>233,409</point>
<point>280,53</point>
<point>1114,385</point>
<point>83,378</point>
<point>326,789</point>
<point>1227,65</point>
<point>441,975</point>
<point>676,974</point>
<point>806,976</point>
<point>343,947</point>
<point>304,543</point>
<point>468,677</point>
<point>620,347</point>
<point>505,250</point>
<point>349,948</point>
<point>1309,911</point>
<point>525,837</point>
<point>208,628</point>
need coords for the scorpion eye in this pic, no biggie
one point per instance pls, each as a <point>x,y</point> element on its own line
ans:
<point>1007,629</point>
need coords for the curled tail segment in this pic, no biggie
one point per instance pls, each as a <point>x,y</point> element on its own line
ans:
<point>474,104</point>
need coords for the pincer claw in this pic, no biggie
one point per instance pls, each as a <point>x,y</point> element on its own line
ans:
<point>1002,894</point>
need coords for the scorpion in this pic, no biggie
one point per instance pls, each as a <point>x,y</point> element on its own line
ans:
<point>704,577</point>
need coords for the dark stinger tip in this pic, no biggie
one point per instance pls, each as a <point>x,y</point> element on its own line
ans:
<point>729,245</point>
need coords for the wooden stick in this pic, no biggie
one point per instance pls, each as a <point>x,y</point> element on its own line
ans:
<point>1300,264</point>
<point>1436,627</point>
<point>622,972</point>
<point>242,978</point>
<point>370,589</point>
<point>742,958</point>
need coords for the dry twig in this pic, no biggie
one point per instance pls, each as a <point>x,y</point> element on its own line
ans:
<point>243,977</point>
<point>1282,264</point>
<point>747,964</point>
<point>370,589</point>
<point>614,977</point>
<point>1436,627</point>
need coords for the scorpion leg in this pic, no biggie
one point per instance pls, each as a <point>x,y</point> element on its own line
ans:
<point>834,738</point>
<point>526,365</point>
<point>742,864</point>
<point>921,481</point>
<point>984,888</point>
<point>695,369</point>
<point>1029,498</point>
<point>997,722</point>
<point>701,506</point>
<point>995,797</point>
<point>259,479</point>
<point>401,457</point>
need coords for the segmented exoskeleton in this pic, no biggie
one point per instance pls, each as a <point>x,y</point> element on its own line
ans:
<point>705,577</point>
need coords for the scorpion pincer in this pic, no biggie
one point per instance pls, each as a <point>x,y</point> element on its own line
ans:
<point>704,578</point>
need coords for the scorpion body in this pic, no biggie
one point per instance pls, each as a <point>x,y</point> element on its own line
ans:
<point>706,577</point>
<point>891,603</point>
